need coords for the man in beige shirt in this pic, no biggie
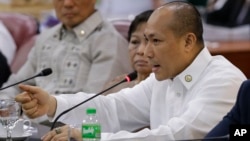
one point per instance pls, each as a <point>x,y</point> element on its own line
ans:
<point>84,51</point>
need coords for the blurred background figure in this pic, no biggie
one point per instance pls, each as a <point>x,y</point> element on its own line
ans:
<point>125,9</point>
<point>48,20</point>
<point>138,61</point>
<point>4,69</point>
<point>227,20</point>
<point>228,13</point>
<point>7,52</point>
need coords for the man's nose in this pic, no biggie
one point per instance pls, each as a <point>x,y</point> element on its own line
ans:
<point>148,52</point>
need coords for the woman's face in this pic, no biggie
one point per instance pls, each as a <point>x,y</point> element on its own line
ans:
<point>137,45</point>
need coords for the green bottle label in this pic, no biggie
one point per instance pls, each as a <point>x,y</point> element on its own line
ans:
<point>91,131</point>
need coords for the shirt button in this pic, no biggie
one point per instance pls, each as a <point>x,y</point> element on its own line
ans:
<point>82,32</point>
<point>188,78</point>
<point>178,94</point>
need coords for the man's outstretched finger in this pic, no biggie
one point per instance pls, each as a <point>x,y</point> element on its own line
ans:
<point>28,88</point>
<point>23,97</point>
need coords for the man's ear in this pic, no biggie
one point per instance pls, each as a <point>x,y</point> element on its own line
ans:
<point>190,41</point>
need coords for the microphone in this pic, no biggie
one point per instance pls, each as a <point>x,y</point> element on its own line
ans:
<point>44,72</point>
<point>130,77</point>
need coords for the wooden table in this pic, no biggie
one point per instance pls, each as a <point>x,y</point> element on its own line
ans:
<point>238,52</point>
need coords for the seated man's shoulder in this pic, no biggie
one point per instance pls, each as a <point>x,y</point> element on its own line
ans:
<point>48,34</point>
<point>220,66</point>
<point>51,31</point>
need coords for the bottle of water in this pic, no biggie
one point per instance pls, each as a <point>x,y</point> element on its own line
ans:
<point>91,128</point>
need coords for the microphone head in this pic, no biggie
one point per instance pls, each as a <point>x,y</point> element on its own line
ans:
<point>45,72</point>
<point>132,76</point>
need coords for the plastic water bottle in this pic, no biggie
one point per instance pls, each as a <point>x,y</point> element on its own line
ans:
<point>91,128</point>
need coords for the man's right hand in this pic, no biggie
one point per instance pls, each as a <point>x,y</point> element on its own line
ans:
<point>36,102</point>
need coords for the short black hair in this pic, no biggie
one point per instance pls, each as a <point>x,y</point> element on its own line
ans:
<point>187,19</point>
<point>139,19</point>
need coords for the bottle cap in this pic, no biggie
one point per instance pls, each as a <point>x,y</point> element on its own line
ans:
<point>91,111</point>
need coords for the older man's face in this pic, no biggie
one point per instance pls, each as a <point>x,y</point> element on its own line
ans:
<point>73,12</point>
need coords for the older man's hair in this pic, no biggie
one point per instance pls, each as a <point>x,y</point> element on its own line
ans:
<point>186,19</point>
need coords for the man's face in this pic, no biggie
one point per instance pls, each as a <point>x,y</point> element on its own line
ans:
<point>165,51</point>
<point>73,12</point>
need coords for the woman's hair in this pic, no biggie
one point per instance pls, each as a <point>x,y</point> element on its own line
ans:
<point>139,19</point>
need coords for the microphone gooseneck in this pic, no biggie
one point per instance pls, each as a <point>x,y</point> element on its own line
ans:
<point>130,77</point>
<point>44,72</point>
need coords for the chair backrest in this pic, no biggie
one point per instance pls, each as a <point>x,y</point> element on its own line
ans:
<point>23,28</point>
<point>22,54</point>
<point>122,26</point>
